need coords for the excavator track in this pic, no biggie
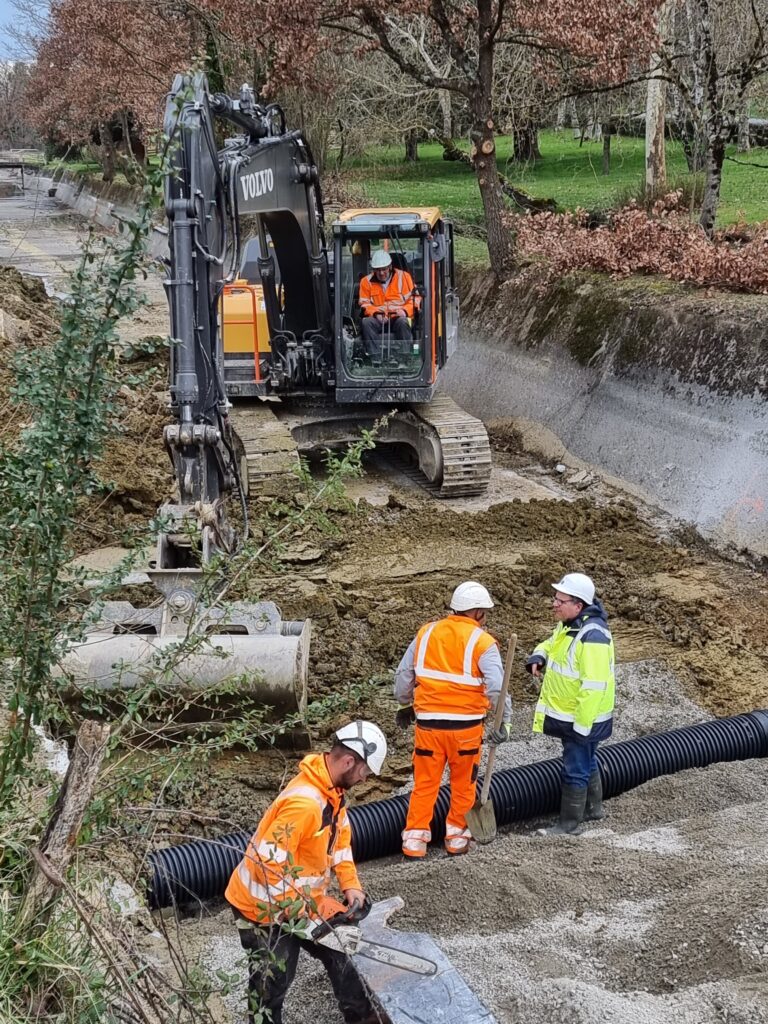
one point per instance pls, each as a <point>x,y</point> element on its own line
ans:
<point>463,440</point>
<point>452,447</point>
<point>268,458</point>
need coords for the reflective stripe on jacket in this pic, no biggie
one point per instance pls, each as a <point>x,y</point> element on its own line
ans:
<point>304,835</point>
<point>399,292</point>
<point>578,686</point>
<point>449,681</point>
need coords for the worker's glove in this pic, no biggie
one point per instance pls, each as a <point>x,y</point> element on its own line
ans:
<point>405,717</point>
<point>500,735</point>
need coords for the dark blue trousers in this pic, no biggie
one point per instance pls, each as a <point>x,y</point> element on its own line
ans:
<point>579,762</point>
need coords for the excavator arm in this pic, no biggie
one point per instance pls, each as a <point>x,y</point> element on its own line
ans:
<point>250,649</point>
<point>266,173</point>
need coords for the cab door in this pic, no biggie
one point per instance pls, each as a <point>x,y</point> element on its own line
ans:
<point>445,322</point>
<point>451,321</point>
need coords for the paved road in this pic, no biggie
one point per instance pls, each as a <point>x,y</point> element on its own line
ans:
<point>37,234</point>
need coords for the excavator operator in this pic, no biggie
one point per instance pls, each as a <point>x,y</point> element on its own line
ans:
<point>388,299</point>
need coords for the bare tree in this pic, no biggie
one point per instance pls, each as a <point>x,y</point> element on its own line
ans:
<point>655,112</point>
<point>15,129</point>
<point>720,48</point>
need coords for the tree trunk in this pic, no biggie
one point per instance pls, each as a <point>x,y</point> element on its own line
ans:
<point>655,112</point>
<point>107,150</point>
<point>655,151</point>
<point>743,139</point>
<point>716,123</point>
<point>131,167</point>
<point>411,146</point>
<point>606,150</point>
<point>59,841</point>
<point>500,241</point>
<point>446,109</point>
<point>561,119</point>
<point>342,143</point>
<point>500,245</point>
<point>713,180</point>
<point>694,147</point>
<point>526,143</point>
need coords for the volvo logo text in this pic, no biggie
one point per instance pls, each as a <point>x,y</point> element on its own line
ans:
<point>257,184</point>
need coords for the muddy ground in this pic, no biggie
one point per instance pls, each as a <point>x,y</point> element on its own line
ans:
<point>658,914</point>
<point>134,467</point>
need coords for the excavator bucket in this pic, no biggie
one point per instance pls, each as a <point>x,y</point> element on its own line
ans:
<point>248,649</point>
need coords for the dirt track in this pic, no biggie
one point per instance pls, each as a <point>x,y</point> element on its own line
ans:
<point>659,914</point>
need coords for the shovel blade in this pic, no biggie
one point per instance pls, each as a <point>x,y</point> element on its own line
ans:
<point>481,821</point>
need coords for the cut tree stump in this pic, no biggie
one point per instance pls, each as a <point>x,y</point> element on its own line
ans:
<point>57,847</point>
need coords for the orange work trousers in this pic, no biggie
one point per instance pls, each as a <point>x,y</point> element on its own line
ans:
<point>433,749</point>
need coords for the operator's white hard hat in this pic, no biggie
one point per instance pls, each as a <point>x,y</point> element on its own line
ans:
<point>470,595</point>
<point>380,259</point>
<point>367,741</point>
<point>577,585</point>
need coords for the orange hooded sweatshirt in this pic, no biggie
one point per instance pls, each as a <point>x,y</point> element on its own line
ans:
<point>304,835</point>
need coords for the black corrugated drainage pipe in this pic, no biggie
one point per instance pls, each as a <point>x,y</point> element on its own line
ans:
<point>200,870</point>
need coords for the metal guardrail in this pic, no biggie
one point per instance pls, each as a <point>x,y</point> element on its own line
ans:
<point>7,165</point>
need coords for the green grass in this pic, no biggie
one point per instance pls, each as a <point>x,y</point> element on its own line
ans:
<point>568,173</point>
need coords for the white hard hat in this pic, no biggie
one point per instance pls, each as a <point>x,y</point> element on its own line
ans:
<point>576,584</point>
<point>380,259</point>
<point>367,741</point>
<point>470,595</point>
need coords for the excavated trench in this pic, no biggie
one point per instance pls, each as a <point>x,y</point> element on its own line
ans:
<point>659,914</point>
<point>656,384</point>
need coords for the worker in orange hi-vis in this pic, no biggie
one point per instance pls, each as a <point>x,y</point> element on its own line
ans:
<point>448,679</point>
<point>279,890</point>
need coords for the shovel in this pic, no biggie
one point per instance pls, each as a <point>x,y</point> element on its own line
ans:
<point>481,819</point>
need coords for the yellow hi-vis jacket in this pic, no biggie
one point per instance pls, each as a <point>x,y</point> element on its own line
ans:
<point>303,837</point>
<point>578,686</point>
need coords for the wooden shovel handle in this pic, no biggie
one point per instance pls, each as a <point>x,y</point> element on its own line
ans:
<point>499,716</point>
<point>505,685</point>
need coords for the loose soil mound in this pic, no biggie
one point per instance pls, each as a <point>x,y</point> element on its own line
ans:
<point>395,568</point>
<point>134,468</point>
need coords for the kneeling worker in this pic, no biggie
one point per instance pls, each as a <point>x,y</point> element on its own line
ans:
<point>303,835</point>
<point>448,679</point>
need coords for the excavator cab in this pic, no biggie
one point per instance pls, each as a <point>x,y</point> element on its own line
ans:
<point>395,359</point>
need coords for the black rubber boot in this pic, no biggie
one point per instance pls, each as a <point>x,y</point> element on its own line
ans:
<point>593,810</point>
<point>573,800</point>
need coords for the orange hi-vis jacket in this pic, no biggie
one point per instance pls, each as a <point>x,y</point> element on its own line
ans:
<point>304,835</point>
<point>399,293</point>
<point>449,682</point>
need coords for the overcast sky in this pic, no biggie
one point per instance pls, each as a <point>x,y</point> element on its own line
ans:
<point>8,15</point>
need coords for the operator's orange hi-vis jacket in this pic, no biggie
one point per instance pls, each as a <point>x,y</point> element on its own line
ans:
<point>449,681</point>
<point>303,837</point>
<point>398,294</point>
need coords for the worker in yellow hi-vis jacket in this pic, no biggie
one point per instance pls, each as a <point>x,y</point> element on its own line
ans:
<point>576,666</point>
